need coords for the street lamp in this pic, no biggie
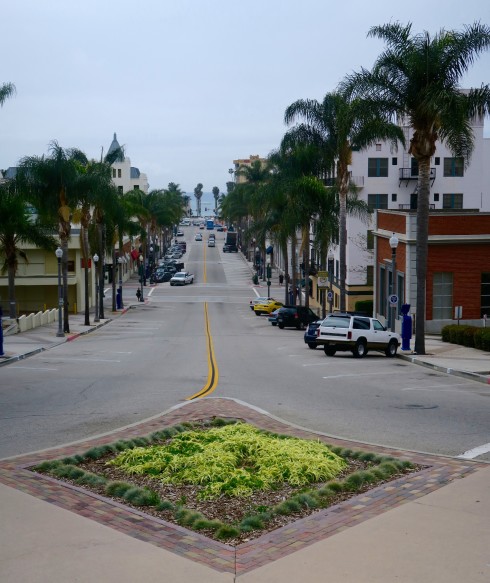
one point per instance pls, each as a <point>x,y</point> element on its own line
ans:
<point>120,263</point>
<point>142,268</point>
<point>96,260</point>
<point>59,255</point>
<point>269,274</point>
<point>393,245</point>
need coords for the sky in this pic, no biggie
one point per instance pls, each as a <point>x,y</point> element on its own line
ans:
<point>189,85</point>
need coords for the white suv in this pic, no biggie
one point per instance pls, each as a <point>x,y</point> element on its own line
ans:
<point>357,334</point>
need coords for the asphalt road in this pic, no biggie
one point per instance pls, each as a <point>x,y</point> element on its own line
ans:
<point>159,354</point>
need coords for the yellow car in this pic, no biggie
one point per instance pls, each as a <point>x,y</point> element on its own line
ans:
<point>267,307</point>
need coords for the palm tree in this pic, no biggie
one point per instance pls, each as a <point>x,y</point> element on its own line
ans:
<point>198,195</point>
<point>54,182</point>
<point>417,77</point>
<point>6,91</point>
<point>216,198</point>
<point>16,227</point>
<point>336,127</point>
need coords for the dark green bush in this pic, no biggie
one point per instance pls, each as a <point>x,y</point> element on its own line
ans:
<point>117,488</point>
<point>471,336</point>
<point>226,532</point>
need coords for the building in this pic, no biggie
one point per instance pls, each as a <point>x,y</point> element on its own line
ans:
<point>247,162</point>
<point>387,179</point>
<point>458,265</point>
<point>125,176</point>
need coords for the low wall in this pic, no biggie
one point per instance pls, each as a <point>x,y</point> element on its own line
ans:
<point>30,321</point>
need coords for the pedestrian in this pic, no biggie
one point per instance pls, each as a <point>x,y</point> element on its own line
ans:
<point>281,279</point>
<point>138,294</point>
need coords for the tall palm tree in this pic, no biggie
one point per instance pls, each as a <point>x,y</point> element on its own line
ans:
<point>54,182</point>
<point>216,198</point>
<point>17,227</point>
<point>198,195</point>
<point>336,127</point>
<point>6,91</point>
<point>418,77</point>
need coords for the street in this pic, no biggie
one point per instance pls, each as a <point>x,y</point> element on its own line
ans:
<point>159,354</point>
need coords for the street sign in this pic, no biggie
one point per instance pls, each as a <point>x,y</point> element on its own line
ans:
<point>330,296</point>
<point>323,279</point>
<point>393,300</point>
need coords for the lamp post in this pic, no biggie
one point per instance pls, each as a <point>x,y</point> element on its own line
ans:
<point>142,269</point>
<point>393,245</point>
<point>120,264</point>
<point>59,255</point>
<point>96,260</point>
<point>269,274</point>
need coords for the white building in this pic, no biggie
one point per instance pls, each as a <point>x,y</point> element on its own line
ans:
<point>387,179</point>
<point>125,176</point>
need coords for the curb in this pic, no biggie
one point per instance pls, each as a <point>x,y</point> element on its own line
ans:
<point>472,376</point>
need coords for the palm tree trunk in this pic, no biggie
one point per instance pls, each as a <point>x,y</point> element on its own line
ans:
<point>422,251</point>
<point>64,265</point>
<point>286,271</point>
<point>294,267</point>
<point>306,262</point>
<point>343,247</point>
<point>114,273</point>
<point>11,284</point>
<point>85,247</point>
<point>102,238</point>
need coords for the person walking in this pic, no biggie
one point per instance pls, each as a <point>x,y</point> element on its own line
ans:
<point>281,279</point>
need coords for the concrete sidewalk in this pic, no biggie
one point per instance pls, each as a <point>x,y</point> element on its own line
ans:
<point>437,533</point>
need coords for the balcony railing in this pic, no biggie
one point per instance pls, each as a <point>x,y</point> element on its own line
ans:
<point>410,174</point>
<point>410,207</point>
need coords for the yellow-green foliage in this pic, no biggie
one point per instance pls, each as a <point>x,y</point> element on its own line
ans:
<point>234,460</point>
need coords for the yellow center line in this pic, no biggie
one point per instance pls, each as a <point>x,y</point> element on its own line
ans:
<point>213,373</point>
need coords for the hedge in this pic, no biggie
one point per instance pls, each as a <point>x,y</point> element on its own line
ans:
<point>471,336</point>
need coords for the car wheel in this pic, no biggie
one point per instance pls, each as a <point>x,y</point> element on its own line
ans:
<point>281,326</point>
<point>329,350</point>
<point>391,348</point>
<point>257,313</point>
<point>360,349</point>
<point>312,345</point>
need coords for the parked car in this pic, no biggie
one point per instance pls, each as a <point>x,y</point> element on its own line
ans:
<point>359,334</point>
<point>180,233</point>
<point>159,276</point>
<point>295,317</point>
<point>230,248</point>
<point>258,300</point>
<point>311,334</point>
<point>266,307</point>
<point>182,278</point>
<point>273,317</point>
<point>198,237</point>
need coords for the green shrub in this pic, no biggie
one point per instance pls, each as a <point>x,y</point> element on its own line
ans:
<point>165,505</point>
<point>306,500</point>
<point>48,465</point>
<point>204,524</point>
<point>141,496</point>
<point>89,479</point>
<point>485,344</point>
<point>187,517</point>
<point>469,336</point>
<point>67,471</point>
<point>251,523</point>
<point>117,489</point>
<point>225,532</point>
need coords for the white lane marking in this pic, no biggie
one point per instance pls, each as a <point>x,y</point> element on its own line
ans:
<point>475,452</point>
<point>151,291</point>
<point>33,368</point>
<point>435,387</point>
<point>120,352</point>
<point>363,374</point>
<point>79,359</point>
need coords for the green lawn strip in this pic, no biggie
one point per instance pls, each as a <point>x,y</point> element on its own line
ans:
<point>228,458</point>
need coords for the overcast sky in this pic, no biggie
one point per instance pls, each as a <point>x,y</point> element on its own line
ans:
<point>188,85</point>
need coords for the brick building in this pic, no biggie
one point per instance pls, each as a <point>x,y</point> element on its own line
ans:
<point>458,270</point>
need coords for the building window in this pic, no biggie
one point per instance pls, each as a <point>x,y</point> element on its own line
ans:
<point>393,197</point>
<point>370,241</point>
<point>394,161</point>
<point>414,167</point>
<point>437,161</point>
<point>454,166</point>
<point>378,167</point>
<point>377,201</point>
<point>442,296</point>
<point>369,275</point>
<point>382,291</point>
<point>136,187</point>
<point>113,173</point>
<point>378,147</point>
<point>485,294</point>
<point>436,197</point>
<point>119,173</point>
<point>452,201</point>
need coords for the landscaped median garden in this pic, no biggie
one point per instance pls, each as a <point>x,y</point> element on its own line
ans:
<point>225,478</point>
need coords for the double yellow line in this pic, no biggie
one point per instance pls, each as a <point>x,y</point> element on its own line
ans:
<point>213,373</point>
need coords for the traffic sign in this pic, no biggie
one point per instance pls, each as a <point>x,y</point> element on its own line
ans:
<point>323,279</point>
<point>393,300</point>
<point>330,296</point>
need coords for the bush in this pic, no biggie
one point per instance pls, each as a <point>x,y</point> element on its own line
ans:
<point>471,336</point>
